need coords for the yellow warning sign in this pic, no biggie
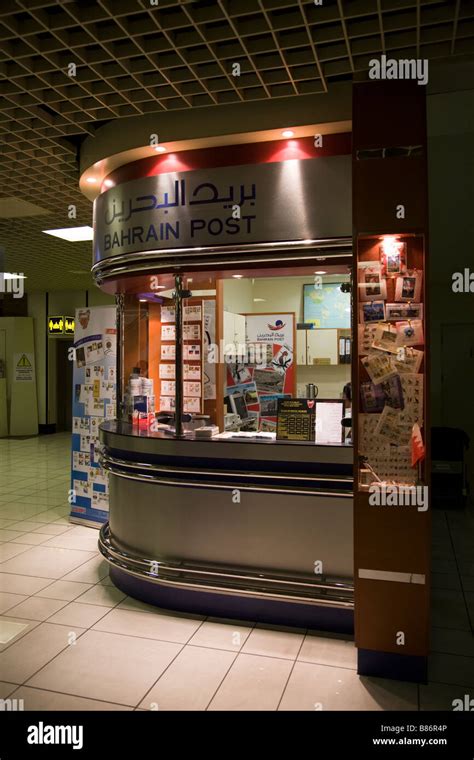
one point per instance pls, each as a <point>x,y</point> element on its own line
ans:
<point>24,365</point>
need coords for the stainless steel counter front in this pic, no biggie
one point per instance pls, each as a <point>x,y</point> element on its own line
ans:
<point>250,520</point>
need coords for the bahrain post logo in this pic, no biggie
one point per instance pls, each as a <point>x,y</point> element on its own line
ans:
<point>279,325</point>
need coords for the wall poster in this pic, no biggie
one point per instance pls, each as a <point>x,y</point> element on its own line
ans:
<point>94,400</point>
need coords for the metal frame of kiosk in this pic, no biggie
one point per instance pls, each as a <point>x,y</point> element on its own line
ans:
<point>282,551</point>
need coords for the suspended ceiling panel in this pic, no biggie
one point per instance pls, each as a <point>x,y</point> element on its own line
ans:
<point>133,58</point>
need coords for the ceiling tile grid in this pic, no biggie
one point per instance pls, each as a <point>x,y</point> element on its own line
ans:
<point>133,57</point>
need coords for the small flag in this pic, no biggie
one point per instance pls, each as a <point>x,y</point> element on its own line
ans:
<point>417,445</point>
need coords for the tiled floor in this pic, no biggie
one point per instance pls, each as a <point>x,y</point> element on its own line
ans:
<point>70,640</point>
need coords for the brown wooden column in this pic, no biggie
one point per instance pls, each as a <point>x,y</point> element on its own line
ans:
<point>392,543</point>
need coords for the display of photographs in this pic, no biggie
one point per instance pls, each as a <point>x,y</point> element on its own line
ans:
<point>239,373</point>
<point>268,426</point>
<point>250,423</point>
<point>372,286</point>
<point>395,311</point>
<point>168,332</point>
<point>167,404</point>
<point>94,351</point>
<point>191,371</point>
<point>168,352</point>
<point>192,388</point>
<point>408,287</point>
<point>192,405</point>
<point>167,314</point>
<point>283,359</point>
<point>192,332</point>
<point>192,351</point>
<point>168,387</point>
<point>372,398</point>
<point>192,314</point>
<point>268,381</point>
<point>372,311</point>
<point>366,337</point>
<point>407,360</point>
<point>167,371</point>
<point>379,367</point>
<point>393,392</point>
<point>269,404</point>
<point>410,333</point>
<point>393,256</point>
<point>80,357</point>
<point>385,338</point>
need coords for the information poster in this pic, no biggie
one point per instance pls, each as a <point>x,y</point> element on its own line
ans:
<point>266,374</point>
<point>296,420</point>
<point>94,400</point>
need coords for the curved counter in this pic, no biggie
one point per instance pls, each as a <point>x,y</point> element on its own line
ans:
<point>245,529</point>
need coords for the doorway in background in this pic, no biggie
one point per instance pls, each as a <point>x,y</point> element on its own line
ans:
<point>63,386</point>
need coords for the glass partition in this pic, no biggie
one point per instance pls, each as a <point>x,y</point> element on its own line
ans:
<point>256,354</point>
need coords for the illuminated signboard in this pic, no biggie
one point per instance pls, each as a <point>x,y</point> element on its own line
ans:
<point>61,325</point>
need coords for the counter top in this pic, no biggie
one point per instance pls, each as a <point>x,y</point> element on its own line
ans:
<point>126,438</point>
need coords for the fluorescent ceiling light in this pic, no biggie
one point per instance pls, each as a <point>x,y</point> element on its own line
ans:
<point>72,234</point>
<point>287,133</point>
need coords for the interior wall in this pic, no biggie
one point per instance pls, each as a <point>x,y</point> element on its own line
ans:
<point>450,124</point>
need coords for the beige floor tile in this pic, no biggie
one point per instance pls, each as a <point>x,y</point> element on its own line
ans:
<point>45,561</point>
<point>12,630</point>
<point>22,584</point>
<point>32,539</point>
<point>253,683</point>
<point>90,572</point>
<point>113,668</point>
<point>321,687</point>
<point>27,526</point>
<point>67,590</point>
<point>273,643</point>
<point>451,641</point>
<point>8,551</point>
<point>324,649</point>
<point>448,610</point>
<point>6,689</point>
<point>436,696</point>
<point>82,615</point>
<point>8,534</point>
<point>452,669</point>
<point>52,529</point>
<point>129,603</point>
<point>36,608</point>
<point>7,601</point>
<point>53,701</point>
<point>225,634</point>
<point>87,542</point>
<point>23,658</point>
<point>162,625</point>
<point>108,596</point>
<point>191,680</point>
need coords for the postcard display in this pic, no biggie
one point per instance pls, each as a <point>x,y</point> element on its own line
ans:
<point>94,400</point>
<point>391,365</point>
<point>262,383</point>
<point>195,323</point>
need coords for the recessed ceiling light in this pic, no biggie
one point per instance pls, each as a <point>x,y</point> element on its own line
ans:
<point>92,180</point>
<point>320,271</point>
<point>142,300</point>
<point>160,148</point>
<point>72,234</point>
<point>109,182</point>
<point>287,133</point>
<point>237,276</point>
<point>258,300</point>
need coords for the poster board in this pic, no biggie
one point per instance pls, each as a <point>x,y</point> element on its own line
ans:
<point>255,384</point>
<point>94,400</point>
